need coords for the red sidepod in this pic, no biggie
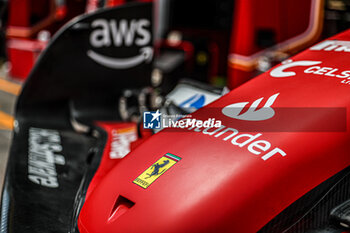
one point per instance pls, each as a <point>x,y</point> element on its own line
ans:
<point>237,178</point>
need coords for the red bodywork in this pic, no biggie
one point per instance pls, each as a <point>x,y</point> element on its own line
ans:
<point>26,18</point>
<point>295,26</point>
<point>23,54</point>
<point>221,187</point>
<point>121,138</point>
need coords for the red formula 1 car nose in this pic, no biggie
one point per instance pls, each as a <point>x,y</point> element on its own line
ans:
<point>281,136</point>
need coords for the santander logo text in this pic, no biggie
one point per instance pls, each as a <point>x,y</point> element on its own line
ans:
<point>135,32</point>
<point>252,114</point>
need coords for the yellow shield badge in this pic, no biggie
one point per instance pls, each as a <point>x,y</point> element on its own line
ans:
<point>156,170</point>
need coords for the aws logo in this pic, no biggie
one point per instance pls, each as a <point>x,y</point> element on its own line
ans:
<point>121,33</point>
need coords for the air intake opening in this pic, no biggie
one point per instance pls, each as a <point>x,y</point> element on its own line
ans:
<point>121,206</point>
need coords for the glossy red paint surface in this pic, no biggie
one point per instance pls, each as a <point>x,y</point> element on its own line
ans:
<point>219,186</point>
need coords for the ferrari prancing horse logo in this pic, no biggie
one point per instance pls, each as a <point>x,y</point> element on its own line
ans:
<point>156,170</point>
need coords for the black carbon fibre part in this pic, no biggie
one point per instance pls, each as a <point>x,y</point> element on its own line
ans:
<point>326,230</point>
<point>63,75</point>
<point>340,215</point>
<point>312,210</point>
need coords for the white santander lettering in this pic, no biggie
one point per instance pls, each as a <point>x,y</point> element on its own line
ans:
<point>241,140</point>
